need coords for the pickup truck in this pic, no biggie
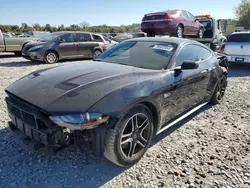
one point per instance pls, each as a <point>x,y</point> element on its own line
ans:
<point>212,36</point>
<point>13,44</point>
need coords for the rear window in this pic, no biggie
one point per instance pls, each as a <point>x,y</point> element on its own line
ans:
<point>172,12</point>
<point>239,38</point>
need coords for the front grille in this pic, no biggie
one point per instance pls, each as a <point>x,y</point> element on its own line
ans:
<point>27,113</point>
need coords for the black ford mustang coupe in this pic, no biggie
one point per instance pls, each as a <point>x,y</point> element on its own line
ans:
<point>121,100</point>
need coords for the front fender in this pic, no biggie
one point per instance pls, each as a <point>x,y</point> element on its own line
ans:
<point>124,98</point>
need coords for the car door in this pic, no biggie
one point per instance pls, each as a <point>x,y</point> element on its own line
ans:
<point>85,45</point>
<point>194,24</point>
<point>67,47</point>
<point>191,85</point>
<point>187,23</point>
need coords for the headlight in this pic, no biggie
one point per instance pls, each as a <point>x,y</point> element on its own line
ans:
<point>80,121</point>
<point>36,47</point>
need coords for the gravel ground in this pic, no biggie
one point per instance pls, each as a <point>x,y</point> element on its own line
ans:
<point>209,149</point>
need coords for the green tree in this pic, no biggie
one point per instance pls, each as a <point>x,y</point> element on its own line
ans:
<point>25,27</point>
<point>48,27</point>
<point>242,12</point>
<point>37,27</point>
<point>61,28</point>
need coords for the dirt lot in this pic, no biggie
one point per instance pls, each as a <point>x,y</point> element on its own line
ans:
<point>209,149</point>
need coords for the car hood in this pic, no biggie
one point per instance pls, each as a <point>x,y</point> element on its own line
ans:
<point>75,87</point>
<point>36,43</point>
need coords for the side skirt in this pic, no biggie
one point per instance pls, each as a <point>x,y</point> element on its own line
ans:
<point>181,118</point>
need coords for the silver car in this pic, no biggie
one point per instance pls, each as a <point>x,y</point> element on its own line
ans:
<point>237,47</point>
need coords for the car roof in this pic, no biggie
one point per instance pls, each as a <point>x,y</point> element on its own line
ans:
<point>166,39</point>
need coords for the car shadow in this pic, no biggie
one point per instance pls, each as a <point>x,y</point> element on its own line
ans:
<point>74,166</point>
<point>19,63</point>
<point>239,70</point>
<point>8,55</point>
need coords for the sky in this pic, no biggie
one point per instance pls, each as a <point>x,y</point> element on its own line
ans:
<point>98,12</point>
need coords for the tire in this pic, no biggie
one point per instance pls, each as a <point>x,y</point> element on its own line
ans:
<point>51,57</point>
<point>18,53</point>
<point>217,97</point>
<point>120,150</point>
<point>151,34</point>
<point>179,31</point>
<point>96,53</point>
<point>200,33</point>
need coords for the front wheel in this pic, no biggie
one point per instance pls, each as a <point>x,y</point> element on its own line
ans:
<point>131,137</point>
<point>51,57</point>
<point>179,31</point>
<point>219,92</point>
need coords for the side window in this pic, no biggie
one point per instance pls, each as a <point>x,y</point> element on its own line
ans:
<point>82,37</point>
<point>181,14</point>
<point>68,38</point>
<point>185,14</point>
<point>97,38</point>
<point>193,53</point>
<point>191,16</point>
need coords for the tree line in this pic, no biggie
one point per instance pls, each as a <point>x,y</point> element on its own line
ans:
<point>242,12</point>
<point>74,27</point>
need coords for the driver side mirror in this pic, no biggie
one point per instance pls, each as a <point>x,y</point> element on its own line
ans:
<point>186,65</point>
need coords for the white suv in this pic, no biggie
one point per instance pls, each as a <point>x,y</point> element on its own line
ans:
<point>237,47</point>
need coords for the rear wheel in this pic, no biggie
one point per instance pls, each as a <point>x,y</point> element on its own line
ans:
<point>150,34</point>
<point>96,53</point>
<point>219,92</point>
<point>51,57</point>
<point>179,31</point>
<point>200,33</point>
<point>131,137</point>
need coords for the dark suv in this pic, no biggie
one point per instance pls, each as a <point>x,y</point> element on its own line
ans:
<point>64,45</point>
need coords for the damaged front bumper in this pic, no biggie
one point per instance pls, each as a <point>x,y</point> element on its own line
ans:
<point>29,123</point>
<point>34,123</point>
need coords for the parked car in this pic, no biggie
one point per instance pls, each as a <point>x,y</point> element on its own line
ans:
<point>122,36</point>
<point>104,41</point>
<point>178,23</point>
<point>7,35</point>
<point>65,45</point>
<point>107,35</point>
<point>125,36</point>
<point>13,44</point>
<point>237,47</point>
<point>139,34</point>
<point>127,95</point>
